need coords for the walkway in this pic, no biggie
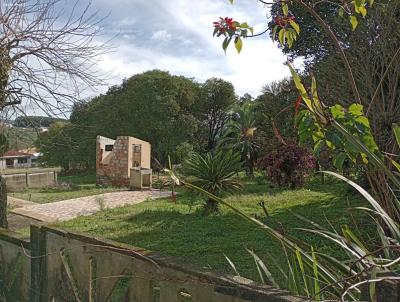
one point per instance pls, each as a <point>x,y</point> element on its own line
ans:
<point>84,206</point>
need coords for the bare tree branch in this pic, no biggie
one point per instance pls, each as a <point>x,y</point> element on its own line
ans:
<point>48,56</point>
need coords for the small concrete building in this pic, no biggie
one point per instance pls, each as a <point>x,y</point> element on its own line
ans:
<point>124,161</point>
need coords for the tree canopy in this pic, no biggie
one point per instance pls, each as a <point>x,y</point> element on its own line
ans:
<point>173,113</point>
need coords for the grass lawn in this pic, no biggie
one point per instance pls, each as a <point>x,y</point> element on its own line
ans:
<point>182,230</point>
<point>81,186</point>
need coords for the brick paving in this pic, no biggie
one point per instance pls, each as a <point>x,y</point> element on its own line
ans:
<point>84,206</point>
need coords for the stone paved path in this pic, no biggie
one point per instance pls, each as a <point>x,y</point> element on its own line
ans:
<point>84,206</point>
<point>18,203</point>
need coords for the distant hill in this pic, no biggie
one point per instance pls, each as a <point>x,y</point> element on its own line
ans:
<point>35,121</point>
<point>21,138</point>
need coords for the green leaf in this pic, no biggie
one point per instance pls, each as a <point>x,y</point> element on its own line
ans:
<point>289,39</point>
<point>274,30</point>
<point>215,31</point>
<point>300,88</point>
<point>372,285</point>
<point>232,265</point>
<point>396,164</point>
<point>396,130</point>
<point>341,12</point>
<point>285,8</point>
<point>353,22</point>
<point>226,42</point>
<point>337,111</point>
<point>371,2</point>
<point>261,266</point>
<point>295,26</point>
<point>338,160</point>
<point>314,93</point>
<point>238,44</point>
<point>293,33</point>
<point>244,25</point>
<point>316,278</point>
<point>363,11</point>
<point>231,1</point>
<point>356,109</point>
<point>282,33</point>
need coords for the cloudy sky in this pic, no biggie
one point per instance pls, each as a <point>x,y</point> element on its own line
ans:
<point>176,35</point>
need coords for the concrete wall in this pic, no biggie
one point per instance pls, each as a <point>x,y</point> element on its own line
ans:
<point>101,270</point>
<point>16,182</point>
<point>37,179</point>
<point>57,265</point>
<point>15,266</point>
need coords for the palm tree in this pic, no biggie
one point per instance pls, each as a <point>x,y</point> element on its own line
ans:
<point>215,173</point>
<point>239,135</point>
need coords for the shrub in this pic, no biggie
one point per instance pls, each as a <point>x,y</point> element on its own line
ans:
<point>215,173</point>
<point>288,165</point>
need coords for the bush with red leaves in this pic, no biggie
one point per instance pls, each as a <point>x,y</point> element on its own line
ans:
<point>288,165</point>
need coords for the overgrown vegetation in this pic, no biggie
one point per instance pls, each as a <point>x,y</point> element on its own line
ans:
<point>69,187</point>
<point>181,229</point>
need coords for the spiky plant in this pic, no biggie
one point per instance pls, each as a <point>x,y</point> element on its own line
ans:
<point>240,135</point>
<point>215,173</point>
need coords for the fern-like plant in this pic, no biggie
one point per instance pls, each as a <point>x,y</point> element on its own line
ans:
<point>215,173</point>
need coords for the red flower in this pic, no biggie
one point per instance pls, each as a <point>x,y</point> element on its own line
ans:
<point>283,21</point>
<point>225,24</point>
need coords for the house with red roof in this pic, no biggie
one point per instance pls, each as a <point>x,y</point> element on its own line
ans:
<point>19,159</point>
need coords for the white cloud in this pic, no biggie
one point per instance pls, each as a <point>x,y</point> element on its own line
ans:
<point>188,48</point>
<point>161,35</point>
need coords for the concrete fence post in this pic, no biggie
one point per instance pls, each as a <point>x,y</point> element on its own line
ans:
<point>38,265</point>
<point>3,203</point>
<point>385,291</point>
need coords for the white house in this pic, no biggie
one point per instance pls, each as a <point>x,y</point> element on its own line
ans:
<point>19,159</point>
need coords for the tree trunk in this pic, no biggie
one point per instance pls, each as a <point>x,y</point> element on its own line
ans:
<point>3,203</point>
<point>211,206</point>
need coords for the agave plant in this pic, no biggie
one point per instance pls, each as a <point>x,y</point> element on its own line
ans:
<point>215,173</point>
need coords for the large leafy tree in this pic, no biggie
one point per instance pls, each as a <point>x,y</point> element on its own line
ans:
<point>217,98</point>
<point>154,106</point>
<point>56,145</point>
<point>274,109</point>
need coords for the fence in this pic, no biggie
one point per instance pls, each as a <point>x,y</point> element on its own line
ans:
<point>20,179</point>
<point>62,266</point>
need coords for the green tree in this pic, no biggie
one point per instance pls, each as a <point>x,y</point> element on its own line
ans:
<point>35,121</point>
<point>240,135</point>
<point>154,106</point>
<point>217,98</point>
<point>371,50</point>
<point>56,145</point>
<point>274,108</point>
